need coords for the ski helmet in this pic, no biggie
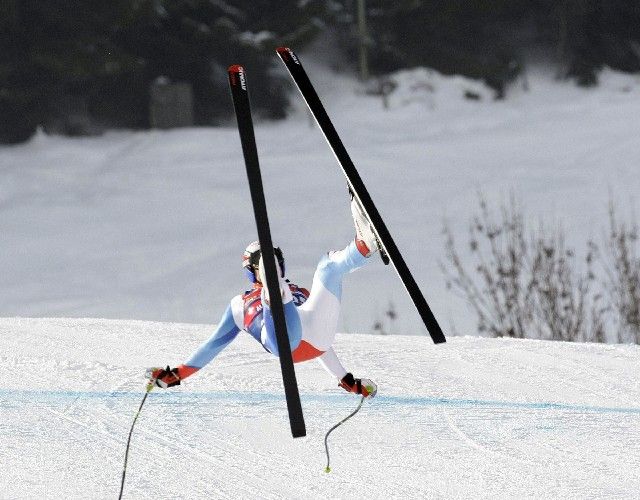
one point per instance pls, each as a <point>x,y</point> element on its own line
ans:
<point>251,259</point>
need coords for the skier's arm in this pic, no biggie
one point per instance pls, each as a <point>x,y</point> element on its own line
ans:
<point>226,331</point>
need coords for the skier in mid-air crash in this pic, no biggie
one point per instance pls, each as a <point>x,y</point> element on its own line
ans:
<point>311,317</point>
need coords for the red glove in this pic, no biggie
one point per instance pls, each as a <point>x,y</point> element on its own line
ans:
<point>364,386</point>
<point>165,377</point>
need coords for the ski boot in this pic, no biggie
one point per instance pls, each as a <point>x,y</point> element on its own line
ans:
<point>366,240</point>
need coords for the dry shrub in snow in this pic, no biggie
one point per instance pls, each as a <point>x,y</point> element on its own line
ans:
<point>523,283</point>
<point>620,261</point>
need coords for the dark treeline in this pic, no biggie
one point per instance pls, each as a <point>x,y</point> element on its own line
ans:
<point>64,58</point>
<point>490,39</point>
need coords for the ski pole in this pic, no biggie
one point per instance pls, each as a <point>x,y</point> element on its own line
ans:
<point>150,385</point>
<point>326,445</point>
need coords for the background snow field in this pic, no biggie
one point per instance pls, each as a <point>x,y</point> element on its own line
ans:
<point>152,225</point>
<point>473,418</point>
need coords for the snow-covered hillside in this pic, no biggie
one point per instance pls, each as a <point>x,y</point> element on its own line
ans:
<point>473,418</point>
<point>151,225</point>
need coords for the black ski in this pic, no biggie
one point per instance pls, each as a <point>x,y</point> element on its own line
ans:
<point>240,95</point>
<point>297,72</point>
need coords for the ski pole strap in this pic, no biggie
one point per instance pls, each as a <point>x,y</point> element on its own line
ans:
<point>326,438</point>
<point>149,388</point>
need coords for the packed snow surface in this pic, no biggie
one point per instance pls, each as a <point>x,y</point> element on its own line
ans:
<point>472,418</point>
<point>151,225</point>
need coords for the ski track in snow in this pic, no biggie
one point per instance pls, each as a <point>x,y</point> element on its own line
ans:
<point>473,418</point>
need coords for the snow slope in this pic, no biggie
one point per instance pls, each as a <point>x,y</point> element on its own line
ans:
<point>151,225</point>
<point>473,418</point>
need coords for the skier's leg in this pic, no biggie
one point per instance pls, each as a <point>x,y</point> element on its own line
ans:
<point>330,362</point>
<point>320,313</point>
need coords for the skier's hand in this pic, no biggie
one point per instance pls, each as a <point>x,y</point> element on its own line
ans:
<point>164,377</point>
<point>364,386</point>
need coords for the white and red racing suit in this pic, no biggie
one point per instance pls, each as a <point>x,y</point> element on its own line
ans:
<point>311,317</point>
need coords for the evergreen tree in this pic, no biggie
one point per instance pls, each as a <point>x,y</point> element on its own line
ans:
<point>589,34</point>
<point>487,38</point>
<point>458,36</point>
<point>62,57</point>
